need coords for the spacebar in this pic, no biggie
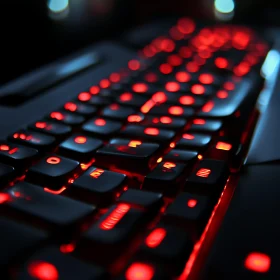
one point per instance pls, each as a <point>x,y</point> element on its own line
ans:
<point>246,244</point>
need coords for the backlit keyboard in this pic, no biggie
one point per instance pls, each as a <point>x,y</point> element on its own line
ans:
<point>123,181</point>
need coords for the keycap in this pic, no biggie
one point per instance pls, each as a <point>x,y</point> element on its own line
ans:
<point>190,212</point>
<point>167,177</point>
<point>167,245</point>
<point>79,147</point>
<point>57,130</point>
<point>193,141</point>
<point>101,127</point>
<point>186,157</point>
<point>80,108</point>
<point>51,263</point>
<point>98,186</point>
<point>209,177</point>
<point>66,118</point>
<point>205,125</point>
<point>6,173</point>
<point>51,211</point>
<point>17,239</point>
<point>117,112</point>
<point>139,198</point>
<point>16,155</point>
<point>111,234</point>
<point>132,99</point>
<point>53,171</point>
<point>128,155</point>
<point>151,134</point>
<point>166,122</point>
<point>172,110</point>
<point>225,104</point>
<point>99,101</point>
<point>33,139</point>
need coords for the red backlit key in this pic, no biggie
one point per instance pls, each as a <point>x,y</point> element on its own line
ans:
<point>146,200</point>
<point>117,112</point>
<point>33,139</point>
<point>57,130</point>
<point>6,173</point>
<point>142,88</point>
<point>79,108</point>
<point>11,245</point>
<point>66,118</point>
<point>186,157</point>
<point>128,155</point>
<point>112,233</point>
<point>38,206</point>
<point>189,211</point>
<point>172,110</point>
<point>101,127</point>
<point>98,186</point>
<point>79,147</point>
<point>166,122</point>
<point>132,99</point>
<point>52,171</point>
<point>167,177</point>
<point>185,100</point>
<point>209,177</point>
<point>56,265</point>
<point>151,134</point>
<point>16,155</point>
<point>205,125</point>
<point>193,141</point>
<point>168,246</point>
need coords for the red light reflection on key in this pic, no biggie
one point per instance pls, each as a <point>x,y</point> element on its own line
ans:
<point>203,172</point>
<point>155,238</point>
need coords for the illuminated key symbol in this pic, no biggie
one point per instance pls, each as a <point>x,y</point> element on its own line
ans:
<point>223,146</point>
<point>96,173</point>
<point>155,237</point>
<point>203,172</point>
<point>134,143</point>
<point>169,165</point>
<point>258,262</point>
<point>192,203</point>
<point>53,160</point>
<point>4,148</point>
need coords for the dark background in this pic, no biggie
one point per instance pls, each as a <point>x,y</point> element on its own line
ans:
<point>30,37</point>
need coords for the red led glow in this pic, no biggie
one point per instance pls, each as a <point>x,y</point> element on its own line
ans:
<point>165,68</point>
<point>221,62</point>
<point>140,88</point>
<point>242,69</point>
<point>165,120</point>
<point>192,203</point>
<point>186,100</point>
<point>192,66</point>
<point>134,143</point>
<point>22,136</point>
<point>176,110</point>
<point>4,148</point>
<point>115,77</point>
<point>139,271</point>
<point>175,33</point>
<point>4,197</point>
<point>203,172</point>
<point>61,190</point>
<point>198,89</point>
<point>70,106</point>
<point>208,107</point>
<point>114,217</point>
<point>172,86</point>
<point>57,115</point>
<point>159,97</point>
<point>114,107</point>
<point>134,65</point>
<point>84,96</point>
<point>53,160</point>
<point>151,77</point>
<point>186,25</point>
<point>148,106</point>
<point>206,79</point>
<point>155,238</point>
<point>182,77</point>
<point>96,173</point>
<point>199,121</point>
<point>223,146</point>
<point>43,271</point>
<point>240,40</point>
<point>185,52</point>
<point>151,131</point>
<point>174,60</point>
<point>94,90</point>
<point>188,136</point>
<point>105,83</point>
<point>41,125</point>
<point>229,85</point>
<point>134,118</point>
<point>80,140</point>
<point>169,165</point>
<point>126,96</point>
<point>167,45</point>
<point>100,122</point>
<point>258,262</point>
<point>12,151</point>
<point>67,248</point>
<point>222,94</point>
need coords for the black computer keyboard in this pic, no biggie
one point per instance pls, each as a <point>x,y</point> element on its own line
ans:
<point>125,180</point>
